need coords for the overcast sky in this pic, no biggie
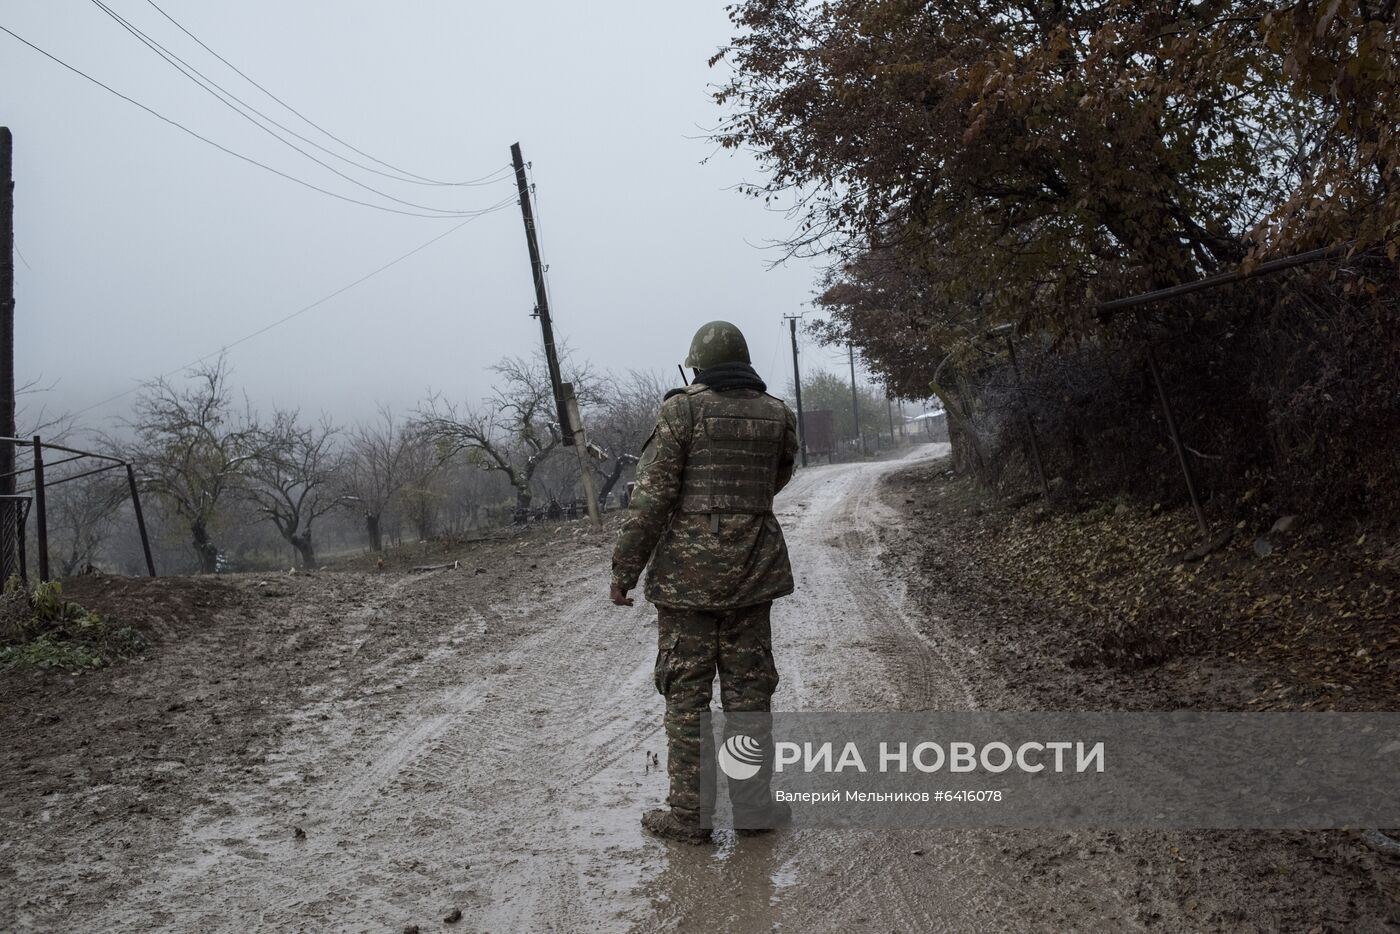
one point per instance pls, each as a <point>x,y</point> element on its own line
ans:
<point>143,249</point>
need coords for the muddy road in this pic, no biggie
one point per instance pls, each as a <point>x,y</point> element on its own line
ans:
<point>379,749</point>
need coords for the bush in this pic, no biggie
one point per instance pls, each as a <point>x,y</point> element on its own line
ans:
<point>39,629</point>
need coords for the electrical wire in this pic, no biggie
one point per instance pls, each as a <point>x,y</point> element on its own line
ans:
<point>499,175</point>
<point>204,139</point>
<point>506,203</point>
<point>539,245</point>
<point>240,107</point>
<point>777,346</point>
<point>411,177</point>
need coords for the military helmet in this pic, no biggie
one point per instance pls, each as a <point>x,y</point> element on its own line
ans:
<point>715,343</point>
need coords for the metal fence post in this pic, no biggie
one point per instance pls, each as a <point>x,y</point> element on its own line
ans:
<point>41,527</point>
<point>1030,425</point>
<point>140,520</point>
<point>1176,442</point>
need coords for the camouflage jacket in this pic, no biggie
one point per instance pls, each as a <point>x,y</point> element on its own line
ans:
<point>693,564</point>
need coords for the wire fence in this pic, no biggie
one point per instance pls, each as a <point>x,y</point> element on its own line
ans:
<point>15,508</point>
<point>1211,387</point>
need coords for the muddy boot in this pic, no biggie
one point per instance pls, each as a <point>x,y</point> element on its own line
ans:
<point>668,825</point>
<point>752,824</point>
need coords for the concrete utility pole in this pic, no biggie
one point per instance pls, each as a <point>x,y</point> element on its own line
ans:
<point>551,356</point>
<point>7,316</point>
<point>797,388</point>
<point>585,469</point>
<point>855,401</point>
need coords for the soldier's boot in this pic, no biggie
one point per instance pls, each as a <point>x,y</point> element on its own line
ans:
<point>669,824</point>
<point>752,824</point>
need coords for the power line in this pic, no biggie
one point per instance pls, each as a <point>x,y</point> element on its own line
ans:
<point>206,82</point>
<point>411,177</point>
<point>204,139</point>
<point>241,107</point>
<point>539,218</point>
<point>502,205</point>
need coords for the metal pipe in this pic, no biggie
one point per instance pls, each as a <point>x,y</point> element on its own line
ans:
<point>140,520</point>
<point>1104,309</point>
<point>24,470</point>
<point>78,476</point>
<point>68,450</point>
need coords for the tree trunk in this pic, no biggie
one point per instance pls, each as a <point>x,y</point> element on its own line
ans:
<point>608,484</point>
<point>204,549</point>
<point>68,565</point>
<point>302,543</point>
<point>376,539</point>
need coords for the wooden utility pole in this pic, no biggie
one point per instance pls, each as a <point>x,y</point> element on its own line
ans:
<point>11,532</point>
<point>797,388</point>
<point>571,431</point>
<point>551,355</point>
<point>7,316</point>
<point>855,401</point>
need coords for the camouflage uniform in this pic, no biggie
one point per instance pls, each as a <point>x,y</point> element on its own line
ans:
<point>701,514</point>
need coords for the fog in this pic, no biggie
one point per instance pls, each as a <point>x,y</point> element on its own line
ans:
<point>142,249</point>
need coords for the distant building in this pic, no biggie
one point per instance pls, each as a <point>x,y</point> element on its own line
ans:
<point>931,425</point>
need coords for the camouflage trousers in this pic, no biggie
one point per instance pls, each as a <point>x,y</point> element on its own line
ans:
<point>694,646</point>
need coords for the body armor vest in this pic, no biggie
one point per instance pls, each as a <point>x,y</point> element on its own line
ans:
<point>736,442</point>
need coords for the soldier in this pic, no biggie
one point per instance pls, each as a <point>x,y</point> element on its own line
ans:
<point>702,514</point>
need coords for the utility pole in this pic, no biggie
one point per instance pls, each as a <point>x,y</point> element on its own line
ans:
<point>855,402</point>
<point>571,431</point>
<point>11,539</point>
<point>551,355</point>
<point>585,469</point>
<point>7,318</point>
<point>797,388</point>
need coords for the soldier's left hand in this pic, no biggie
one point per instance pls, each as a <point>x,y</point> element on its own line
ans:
<point>619,596</point>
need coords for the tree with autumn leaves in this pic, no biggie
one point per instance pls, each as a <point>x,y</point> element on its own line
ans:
<point>971,164</point>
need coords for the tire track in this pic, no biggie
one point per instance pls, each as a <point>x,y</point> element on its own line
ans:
<point>503,770</point>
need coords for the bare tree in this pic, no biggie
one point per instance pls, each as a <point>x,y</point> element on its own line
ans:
<point>191,450</point>
<point>425,489</point>
<point>514,430</point>
<point>473,497</point>
<point>55,427</point>
<point>295,478</point>
<point>383,457</point>
<point>80,515</point>
<point>622,422</point>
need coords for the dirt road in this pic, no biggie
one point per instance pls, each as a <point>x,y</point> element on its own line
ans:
<point>397,745</point>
